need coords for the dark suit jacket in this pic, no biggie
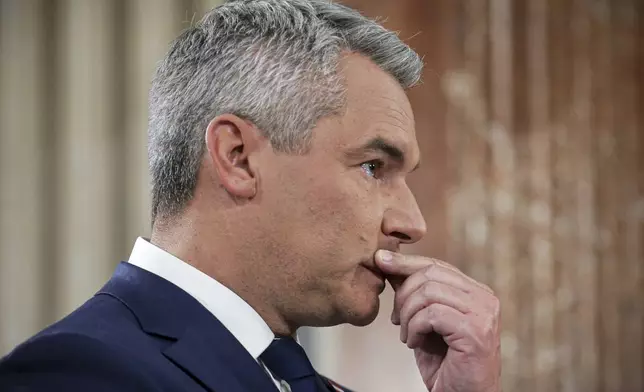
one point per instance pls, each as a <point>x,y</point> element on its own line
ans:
<point>139,333</point>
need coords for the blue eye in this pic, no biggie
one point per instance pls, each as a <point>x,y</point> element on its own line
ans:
<point>371,168</point>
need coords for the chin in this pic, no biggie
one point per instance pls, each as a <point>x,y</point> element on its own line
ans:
<point>364,313</point>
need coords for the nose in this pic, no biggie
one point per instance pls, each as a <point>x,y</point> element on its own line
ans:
<point>404,221</point>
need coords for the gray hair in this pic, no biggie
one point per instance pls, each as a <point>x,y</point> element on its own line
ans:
<point>271,62</point>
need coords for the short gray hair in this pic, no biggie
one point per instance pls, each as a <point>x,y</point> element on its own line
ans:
<point>271,62</point>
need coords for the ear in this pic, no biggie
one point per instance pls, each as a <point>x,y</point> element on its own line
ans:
<point>230,141</point>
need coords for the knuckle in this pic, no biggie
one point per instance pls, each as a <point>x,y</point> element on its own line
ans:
<point>432,312</point>
<point>488,330</point>
<point>430,269</point>
<point>422,317</point>
<point>428,289</point>
<point>475,343</point>
<point>405,309</point>
<point>495,306</point>
<point>483,334</point>
<point>482,338</point>
<point>413,323</point>
<point>431,293</point>
<point>489,326</point>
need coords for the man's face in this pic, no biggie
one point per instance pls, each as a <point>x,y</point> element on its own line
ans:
<point>328,211</point>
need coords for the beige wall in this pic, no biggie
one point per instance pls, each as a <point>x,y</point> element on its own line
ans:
<point>529,120</point>
<point>73,163</point>
<point>531,126</point>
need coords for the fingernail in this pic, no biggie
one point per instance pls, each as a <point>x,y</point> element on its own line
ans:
<point>385,256</point>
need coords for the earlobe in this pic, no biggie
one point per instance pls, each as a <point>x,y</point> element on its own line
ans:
<point>229,146</point>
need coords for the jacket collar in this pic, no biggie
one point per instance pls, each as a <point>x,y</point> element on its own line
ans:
<point>203,347</point>
<point>241,319</point>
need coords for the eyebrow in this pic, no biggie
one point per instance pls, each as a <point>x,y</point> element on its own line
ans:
<point>379,144</point>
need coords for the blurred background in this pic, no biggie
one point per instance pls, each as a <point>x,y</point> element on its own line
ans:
<point>531,127</point>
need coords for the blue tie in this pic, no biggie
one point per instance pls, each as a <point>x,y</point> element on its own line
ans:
<point>288,361</point>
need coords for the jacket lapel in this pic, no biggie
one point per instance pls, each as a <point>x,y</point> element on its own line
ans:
<point>220,362</point>
<point>202,346</point>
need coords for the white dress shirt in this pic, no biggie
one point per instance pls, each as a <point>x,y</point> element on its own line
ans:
<point>243,322</point>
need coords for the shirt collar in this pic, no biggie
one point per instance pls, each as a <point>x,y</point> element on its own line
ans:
<point>232,311</point>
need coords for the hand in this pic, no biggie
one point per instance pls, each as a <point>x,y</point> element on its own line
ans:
<point>449,319</point>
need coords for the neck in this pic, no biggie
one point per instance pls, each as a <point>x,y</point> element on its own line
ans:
<point>221,258</point>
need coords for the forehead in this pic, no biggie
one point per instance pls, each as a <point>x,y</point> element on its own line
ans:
<point>376,106</point>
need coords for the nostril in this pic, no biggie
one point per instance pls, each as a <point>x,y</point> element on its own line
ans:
<point>401,236</point>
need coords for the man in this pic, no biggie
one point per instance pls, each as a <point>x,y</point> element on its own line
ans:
<point>280,138</point>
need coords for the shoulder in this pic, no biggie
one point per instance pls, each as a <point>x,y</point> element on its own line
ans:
<point>96,317</point>
<point>71,361</point>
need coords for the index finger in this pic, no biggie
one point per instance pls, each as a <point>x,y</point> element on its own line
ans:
<point>404,265</point>
<point>400,265</point>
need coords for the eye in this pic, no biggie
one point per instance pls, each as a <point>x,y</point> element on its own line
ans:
<point>371,168</point>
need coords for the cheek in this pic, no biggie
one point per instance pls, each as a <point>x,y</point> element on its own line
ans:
<point>347,218</point>
<point>335,214</point>
<point>342,205</point>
